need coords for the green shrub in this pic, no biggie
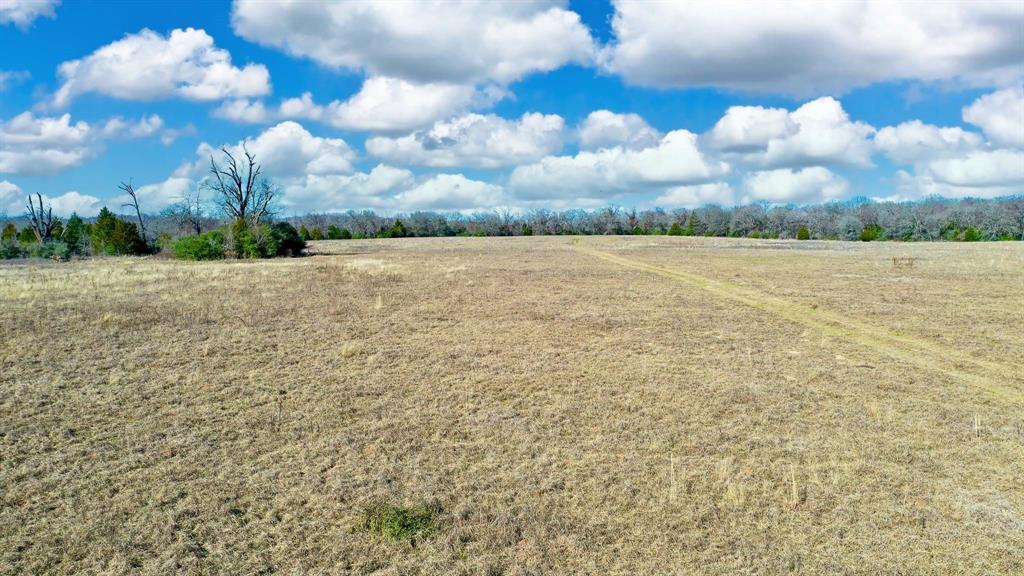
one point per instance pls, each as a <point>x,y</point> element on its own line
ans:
<point>871,233</point>
<point>51,249</point>
<point>10,232</point>
<point>971,234</point>
<point>286,240</point>
<point>400,522</point>
<point>316,234</point>
<point>304,233</point>
<point>11,248</point>
<point>27,236</point>
<point>675,229</point>
<point>803,233</point>
<point>206,246</point>
<point>397,230</point>
<point>754,234</point>
<point>333,232</point>
<point>527,230</point>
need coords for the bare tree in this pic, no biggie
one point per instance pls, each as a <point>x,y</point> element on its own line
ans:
<point>41,219</point>
<point>128,189</point>
<point>240,188</point>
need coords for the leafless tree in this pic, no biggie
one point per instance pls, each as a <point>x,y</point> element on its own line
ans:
<point>41,219</point>
<point>240,188</point>
<point>128,189</point>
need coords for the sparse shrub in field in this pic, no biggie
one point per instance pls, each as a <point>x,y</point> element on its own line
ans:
<point>316,234</point>
<point>10,232</point>
<point>755,234</point>
<point>206,246</point>
<point>803,233</point>
<point>400,522</point>
<point>675,229</point>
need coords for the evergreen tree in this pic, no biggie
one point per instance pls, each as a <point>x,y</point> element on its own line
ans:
<point>74,234</point>
<point>10,232</point>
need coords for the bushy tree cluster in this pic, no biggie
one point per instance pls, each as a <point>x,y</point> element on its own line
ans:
<point>107,235</point>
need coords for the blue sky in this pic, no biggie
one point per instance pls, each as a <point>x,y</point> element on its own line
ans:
<point>468,106</point>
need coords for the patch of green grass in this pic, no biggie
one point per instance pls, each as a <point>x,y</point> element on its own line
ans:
<point>400,522</point>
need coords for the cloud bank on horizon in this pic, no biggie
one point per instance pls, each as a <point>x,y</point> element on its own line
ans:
<point>448,105</point>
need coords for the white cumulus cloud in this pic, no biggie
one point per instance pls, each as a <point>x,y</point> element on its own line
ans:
<point>34,145</point>
<point>819,132</point>
<point>807,185</point>
<point>604,129</point>
<point>475,140</point>
<point>14,202</point>
<point>1000,115</point>
<point>696,195</point>
<point>150,66</point>
<point>422,42</point>
<point>675,160</point>
<point>22,13</point>
<point>803,47</point>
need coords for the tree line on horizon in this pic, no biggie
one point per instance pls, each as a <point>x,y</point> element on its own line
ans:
<point>239,220</point>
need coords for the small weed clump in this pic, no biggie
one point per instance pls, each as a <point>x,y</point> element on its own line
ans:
<point>400,522</point>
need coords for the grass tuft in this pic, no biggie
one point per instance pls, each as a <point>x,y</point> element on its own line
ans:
<point>400,522</point>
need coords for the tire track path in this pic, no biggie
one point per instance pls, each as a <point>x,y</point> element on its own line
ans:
<point>1001,380</point>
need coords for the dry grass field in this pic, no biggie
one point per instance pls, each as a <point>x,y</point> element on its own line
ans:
<point>552,405</point>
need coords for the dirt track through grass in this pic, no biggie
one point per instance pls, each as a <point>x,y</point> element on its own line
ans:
<point>990,376</point>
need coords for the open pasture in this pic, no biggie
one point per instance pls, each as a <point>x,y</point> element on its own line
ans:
<point>555,405</point>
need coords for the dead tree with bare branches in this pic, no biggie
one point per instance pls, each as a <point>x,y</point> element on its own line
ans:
<point>41,219</point>
<point>128,189</point>
<point>240,188</point>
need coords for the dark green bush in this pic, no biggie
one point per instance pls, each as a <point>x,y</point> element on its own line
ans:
<point>971,234</point>
<point>675,229</point>
<point>206,246</point>
<point>286,240</point>
<point>316,234</point>
<point>333,232</point>
<point>10,232</point>
<point>304,233</point>
<point>803,233</point>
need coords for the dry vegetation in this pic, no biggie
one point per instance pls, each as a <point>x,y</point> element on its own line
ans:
<point>518,406</point>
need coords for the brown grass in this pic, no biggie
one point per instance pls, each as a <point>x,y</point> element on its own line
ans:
<point>597,406</point>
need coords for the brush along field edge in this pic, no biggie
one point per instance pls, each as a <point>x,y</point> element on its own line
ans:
<point>992,377</point>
